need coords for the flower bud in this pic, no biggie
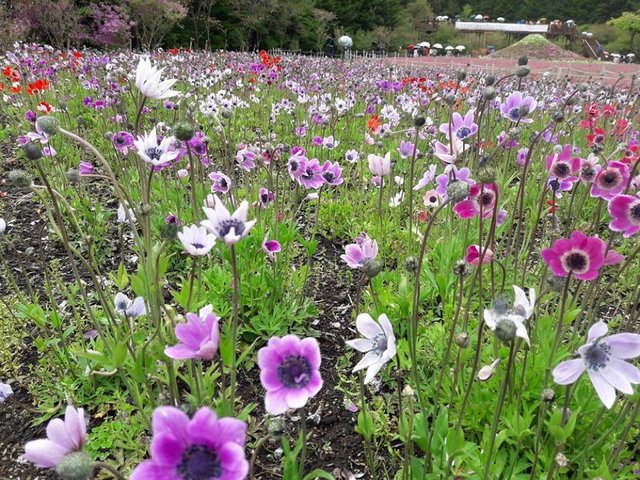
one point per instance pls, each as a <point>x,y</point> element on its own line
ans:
<point>169,231</point>
<point>505,330</point>
<point>558,117</point>
<point>108,135</point>
<point>490,80</point>
<point>548,395</point>
<point>32,151</point>
<point>462,340</point>
<point>457,191</point>
<point>48,124</point>
<point>419,121</point>
<point>515,132</point>
<point>523,60</point>
<point>522,71</point>
<point>460,267</point>
<point>450,98</point>
<point>461,75</point>
<point>583,87</point>
<point>76,466</point>
<point>523,111</point>
<point>73,176</point>
<point>411,264</point>
<point>183,131</point>
<point>372,268</point>
<point>487,371</point>
<point>19,178</point>
<point>487,174</point>
<point>226,114</point>
<point>489,93</point>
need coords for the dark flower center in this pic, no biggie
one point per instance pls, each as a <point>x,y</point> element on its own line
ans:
<point>634,213</point>
<point>329,177</point>
<point>588,172</point>
<point>463,132</point>
<point>561,169</point>
<point>598,138</point>
<point>308,174</point>
<point>597,356</point>
<point>380,343</point>
<point>120,140</point>
<point>199,462</point>
<point>264,198</point>
<point>123,305</point>
<point>294,371</point>
<point>576,261</point>
<point>223,183</point>
<point>433,199</point>
<point>293,166</point>
<point>487,198</point>
<point>514,114</point>
<point>611,178</point>
<point>226,225</point>
<point>153,153</point>
<point>198,245</point>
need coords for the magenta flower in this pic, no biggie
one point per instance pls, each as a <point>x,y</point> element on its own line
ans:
<point>625,214</point>
<point>198,338</point>
<point>297,165</point>
<point>122,141</point>
<point>331,173</point>
<point>610,181</point>
<point>85,168</point>
<point>580,255</point>
<point>246,159</point>
<point>270,247</point>
<point>604,361</point>
<point>357,255</point>
<point>205,447</point>
<point>311,176</point>
<point>563,166</point>
<point>473,255</point>
<point>290,372</point>
<point>461,127</point>
<point>470,207</point>
<point>517,107</point>
<point>63,438</point>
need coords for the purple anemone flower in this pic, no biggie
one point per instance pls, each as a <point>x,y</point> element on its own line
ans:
<point>604,361</point>
<point>270,247</point>
<point>331,172</point>
<point>427,178</point>
<point>198,338</point>
<point>562,166</point>
<point>461,175</point>
<point>358,254</point>
<point>625,215</point>
<point>517,107</point>
<point>246,159</point>
<point>290,372</point>
<point>265,197</point>
<point>461,127</point>
<point>205,447</point>
<point>406,149</point>
<point>297,165</point>
<point>63,438</point>
<point>85,168</point>
<point>220,183</point>
<point>122,141</point>
<point>311,176</point>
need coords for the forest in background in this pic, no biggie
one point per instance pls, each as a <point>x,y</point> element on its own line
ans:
<point>288,24</point>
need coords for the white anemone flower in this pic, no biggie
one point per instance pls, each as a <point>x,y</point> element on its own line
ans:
<point>227,227</point>
<point>379,344</point>
<point>151,152</point>
<point>128,308</point>
<point>196,240</point>
<point>523,304</point>
<point>3,225</point>
<point>498,318</point>
<point>148,81</point>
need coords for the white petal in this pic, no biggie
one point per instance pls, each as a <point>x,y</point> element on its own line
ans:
<point>367,326</point>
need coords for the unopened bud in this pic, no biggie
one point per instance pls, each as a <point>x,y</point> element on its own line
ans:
<point>457,191</point>
<point>558,117</point>
<point>489,93</point>
<point>522,71</point>
<point>419,121</point>
<point>226,114</point>
<point>372,268</point>
<point>76,466</point>
<point>523,60</point>
<point>48,124</point>
<point>183,131</point>
<point>450,98</point>
<point>169,231</point>
<point>506,330</point>
<point>489,80</point>
<point>461,75</point>
<point>32,151</point>
<point>548,395</point>
<point>462,340</point>
<point>411,264</point>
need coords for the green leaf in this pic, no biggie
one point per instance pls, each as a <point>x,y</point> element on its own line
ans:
<point>318,473</point>
<point>558,434</point>
<point>365,425</point>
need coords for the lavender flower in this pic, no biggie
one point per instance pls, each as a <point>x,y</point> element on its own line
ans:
<point>5,391</point>
<point>198,338</point>
<point>128,308</point>
<point>604,361</point>
<point>220,183</point>
<point>517,107</point>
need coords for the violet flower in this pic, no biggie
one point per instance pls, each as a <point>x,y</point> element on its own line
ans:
<point>427,177</point>
<point>198,338</point>
<point>85,168</point>
<point>265,197</point>
<point>357,255</point>
<point>270,247</point>
<point>220,183</point>
<point>311,176</point>
<point>128,308</point>
<point>122,141</point>
<point>63,438</point>
<point>5,391</point>
<point>604,361</point>
<point>517,107</point>
<point>331,172</point>
<point>204,447</point>
<point>290,372</point>
<point>461,127</point>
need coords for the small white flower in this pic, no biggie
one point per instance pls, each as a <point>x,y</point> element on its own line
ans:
<point>150,152</point>
<point>148,81</point>
<point>379,344</point>
<point>5,391</point>
<point>128,308</point>
<point>522,304</point>
<point>196,240</point>
<point>122,214</point>
<point>3,225</point>
<point>227,227</point>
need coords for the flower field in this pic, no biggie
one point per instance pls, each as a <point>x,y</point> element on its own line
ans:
<point>233,266</point>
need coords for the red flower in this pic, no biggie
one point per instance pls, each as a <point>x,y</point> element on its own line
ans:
<point>77,55</point>
<point>37,87</point>
<point>597,136</point>
<point>608,110</point>
<point>621,126</point>
<point>374,123</point>
<point>630,154</point>
<point>44,107</point>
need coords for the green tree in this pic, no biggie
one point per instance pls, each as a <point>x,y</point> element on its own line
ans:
<point>628,23</point>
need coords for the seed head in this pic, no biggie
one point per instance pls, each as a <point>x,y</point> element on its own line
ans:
<point>460,268</point>
<point>489,80</point>
<point>487,174</point>
<point>523,60</point>
<point>523,111</point>
<point>411,264</point>
<point>561,460</point>
<point>19,178</point>
<point>505,330</point>
<point>450,98</point>
<point>548,395</point>
<point>489,93</point>
<point>522,71</point>
<point>461,75</point>
<point>462,340</point>
<point>73,176</point>
<point>372,268</point>
<point>419,121</point>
